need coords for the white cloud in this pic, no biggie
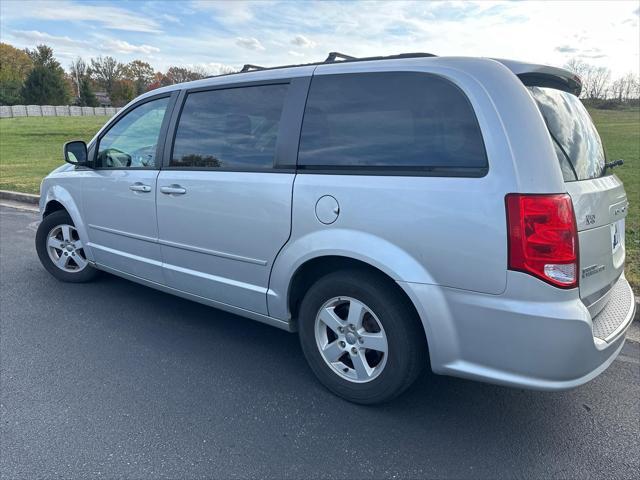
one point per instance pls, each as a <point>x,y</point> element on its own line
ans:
<point>36,37</point>
<point>302,41</point>
<point>567,49</point>
<point>250,43</point>
<point>215,68</point>
<point>121,46</point>
<point>107,16</point>
<point>111,45</point>
<point>170,18</point>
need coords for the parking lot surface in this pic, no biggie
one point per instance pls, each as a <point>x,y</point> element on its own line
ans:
<point>113,379</point>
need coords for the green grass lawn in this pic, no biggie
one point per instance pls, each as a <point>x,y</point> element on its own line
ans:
<point>32,147</point>
<point>620,132</point>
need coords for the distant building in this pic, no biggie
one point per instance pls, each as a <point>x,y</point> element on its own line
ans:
<point>103,99</point>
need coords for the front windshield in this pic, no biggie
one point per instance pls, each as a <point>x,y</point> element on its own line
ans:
<point>577,143</point>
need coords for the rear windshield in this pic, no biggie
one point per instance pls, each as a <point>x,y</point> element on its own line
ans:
<point>576,140</point>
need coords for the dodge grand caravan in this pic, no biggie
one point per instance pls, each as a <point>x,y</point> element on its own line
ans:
<point>394,211</point>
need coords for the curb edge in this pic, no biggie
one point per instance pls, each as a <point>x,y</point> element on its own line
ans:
<point>20,197</point>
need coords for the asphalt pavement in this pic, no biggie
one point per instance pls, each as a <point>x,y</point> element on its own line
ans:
<point>113,379</point>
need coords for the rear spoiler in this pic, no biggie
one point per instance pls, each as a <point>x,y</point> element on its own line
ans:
<point>535,75</point>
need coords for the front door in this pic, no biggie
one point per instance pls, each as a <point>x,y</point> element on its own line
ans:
<point>224,206</point>
<point>119,193</point>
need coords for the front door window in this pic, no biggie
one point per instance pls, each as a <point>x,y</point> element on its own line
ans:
<point>132,142</point>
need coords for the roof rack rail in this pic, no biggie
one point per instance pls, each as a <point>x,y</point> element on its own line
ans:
<point>408,55</point>
<point>333,56</point>
<point>249,67</point>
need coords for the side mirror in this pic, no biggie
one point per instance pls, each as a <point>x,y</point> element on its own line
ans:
<point>75,153</point>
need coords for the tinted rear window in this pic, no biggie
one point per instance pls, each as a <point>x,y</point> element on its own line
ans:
<point>235,128</point>
<point>389,120</point>
<point>576,140</point>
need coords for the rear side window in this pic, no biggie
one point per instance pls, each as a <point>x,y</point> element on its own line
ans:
<point>404,121</point>
<point>576,140</point>
<point>232,129</point>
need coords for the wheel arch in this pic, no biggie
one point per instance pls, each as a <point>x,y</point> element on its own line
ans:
<point>315,268</point>
<point>59,198</point>
<point>350,246</point>
<point>53,206</point>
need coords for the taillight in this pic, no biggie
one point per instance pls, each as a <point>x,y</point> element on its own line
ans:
<point>543,237</point>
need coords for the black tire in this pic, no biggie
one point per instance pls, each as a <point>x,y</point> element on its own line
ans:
<point>407,347</point>
<point>60,217</point>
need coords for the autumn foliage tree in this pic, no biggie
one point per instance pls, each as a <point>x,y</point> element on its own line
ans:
<point>157,81</point>
<point>123,92</point>
<point>106,71</point>
<point>35,76</point>
<point>180,74</point>
<point>15,65</point>
<point>140,73</point>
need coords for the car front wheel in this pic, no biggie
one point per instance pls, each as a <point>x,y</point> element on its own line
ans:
<point>61,250</point>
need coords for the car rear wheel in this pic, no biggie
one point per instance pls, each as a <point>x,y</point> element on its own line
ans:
<point>60,249</point>
<point>361,337</point>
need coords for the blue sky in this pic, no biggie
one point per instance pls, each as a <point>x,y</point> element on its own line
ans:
<point>222,35</point>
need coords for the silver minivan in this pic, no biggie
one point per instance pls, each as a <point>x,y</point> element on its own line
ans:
<point>396,212</point>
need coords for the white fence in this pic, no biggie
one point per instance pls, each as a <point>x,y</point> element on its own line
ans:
<point>54,111</point>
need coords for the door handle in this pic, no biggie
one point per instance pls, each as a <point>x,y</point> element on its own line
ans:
<point>173,190</point>
<point>140,187</point>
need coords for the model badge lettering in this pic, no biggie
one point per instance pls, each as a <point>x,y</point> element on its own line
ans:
<point>591,219</point>
<point>592,270</point>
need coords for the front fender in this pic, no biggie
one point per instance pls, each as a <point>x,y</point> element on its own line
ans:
<point>71,202</point>
<point>375,251</point>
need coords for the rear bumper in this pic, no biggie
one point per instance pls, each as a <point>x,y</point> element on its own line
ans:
<point>532,336</point>
<point>617,314</point>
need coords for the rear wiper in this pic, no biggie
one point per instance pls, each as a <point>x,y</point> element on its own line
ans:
<point>564,152</point>
<point>615,163</point>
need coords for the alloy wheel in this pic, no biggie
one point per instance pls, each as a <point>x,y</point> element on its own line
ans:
<point>65,249</point>
<point>351,339</point>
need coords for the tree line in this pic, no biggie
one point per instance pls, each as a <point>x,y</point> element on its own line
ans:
<point>35,77</point>
<point>598,86</point>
